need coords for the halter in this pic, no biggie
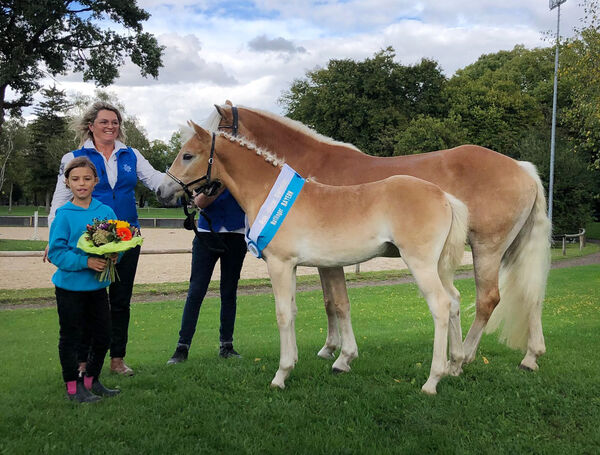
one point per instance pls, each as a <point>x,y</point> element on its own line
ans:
<point>234,124</point>
<point>210,187</point>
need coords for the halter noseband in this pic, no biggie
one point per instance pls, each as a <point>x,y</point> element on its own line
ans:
<point>234,124</point>
<point>210,187</point>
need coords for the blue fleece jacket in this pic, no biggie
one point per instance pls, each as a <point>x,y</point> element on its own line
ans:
<point>73,273</point>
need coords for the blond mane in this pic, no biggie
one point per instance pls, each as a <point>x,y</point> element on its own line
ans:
<point>293,124</point>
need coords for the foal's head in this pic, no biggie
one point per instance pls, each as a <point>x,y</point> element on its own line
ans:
<point>188,167</point>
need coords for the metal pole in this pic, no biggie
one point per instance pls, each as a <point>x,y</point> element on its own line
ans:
<point>553,135</point>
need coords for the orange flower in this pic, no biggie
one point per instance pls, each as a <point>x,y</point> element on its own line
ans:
<point>124,233</point>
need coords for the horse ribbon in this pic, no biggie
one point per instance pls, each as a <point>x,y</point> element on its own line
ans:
<point>282,196</point>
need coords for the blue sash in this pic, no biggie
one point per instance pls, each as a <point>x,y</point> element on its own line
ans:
<point>274,210</point>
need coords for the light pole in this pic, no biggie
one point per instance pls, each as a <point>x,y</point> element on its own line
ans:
<point>554,4</point>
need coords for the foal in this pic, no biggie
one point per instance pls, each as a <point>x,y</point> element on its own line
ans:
<point>331,226</point>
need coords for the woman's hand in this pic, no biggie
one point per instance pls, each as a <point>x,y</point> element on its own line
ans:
<point>96,264</point>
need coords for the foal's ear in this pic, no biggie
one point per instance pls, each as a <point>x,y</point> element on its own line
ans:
<point>229,103</point>
<point>198,129</point>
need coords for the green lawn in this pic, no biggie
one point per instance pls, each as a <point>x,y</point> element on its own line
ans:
<point>209,405</point>
<point>149,212</point>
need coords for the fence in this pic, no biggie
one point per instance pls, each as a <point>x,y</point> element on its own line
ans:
<point>564,237</point>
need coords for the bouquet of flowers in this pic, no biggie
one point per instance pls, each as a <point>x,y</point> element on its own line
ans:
<point>107,237</point>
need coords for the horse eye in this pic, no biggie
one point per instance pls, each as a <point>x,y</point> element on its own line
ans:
<point>187,156</point>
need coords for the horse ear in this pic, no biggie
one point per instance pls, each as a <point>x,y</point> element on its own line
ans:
<point>198,129</point>
<point>229,103</point>
<point>218,108</point>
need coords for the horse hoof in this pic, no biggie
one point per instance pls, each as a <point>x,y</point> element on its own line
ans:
<point>337,371</point>
<point>273,385</point>
<point>526,368</point>
<point>326,354</point>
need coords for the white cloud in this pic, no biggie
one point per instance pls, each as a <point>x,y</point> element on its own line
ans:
<point>250,52</point>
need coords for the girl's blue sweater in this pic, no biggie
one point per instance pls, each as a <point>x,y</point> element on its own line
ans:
<point>73,273</point>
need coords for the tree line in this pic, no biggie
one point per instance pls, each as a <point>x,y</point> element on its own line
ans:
<point>502,101</point>
<point>30,152</point>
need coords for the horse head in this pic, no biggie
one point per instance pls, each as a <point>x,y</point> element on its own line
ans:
<point>191,169</point>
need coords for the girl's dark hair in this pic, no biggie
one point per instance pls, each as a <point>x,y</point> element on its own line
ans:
<point>82,161</point>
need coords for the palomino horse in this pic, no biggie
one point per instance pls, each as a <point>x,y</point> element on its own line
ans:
<point>509,231</point>
<point>333,226</point>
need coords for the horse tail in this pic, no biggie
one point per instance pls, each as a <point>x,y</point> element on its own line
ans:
<point>523,273</point>
<point>454,248</point>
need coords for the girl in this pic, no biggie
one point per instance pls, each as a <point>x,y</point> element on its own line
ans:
<point>81,299</point>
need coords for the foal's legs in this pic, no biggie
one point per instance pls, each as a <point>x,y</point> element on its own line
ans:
<point>439,304</point>
<point>283,280</point>
<point>455,341</point>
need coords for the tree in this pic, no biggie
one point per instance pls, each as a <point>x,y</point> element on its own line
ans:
<point>49,141</point>
<point>580,64</point>
<point>56,36</point>
<point>13,145</point>
<point>425,134</point>
<point>498,97</point>
<point>366,103</point>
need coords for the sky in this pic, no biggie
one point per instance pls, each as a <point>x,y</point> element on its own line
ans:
<point>250,52</point>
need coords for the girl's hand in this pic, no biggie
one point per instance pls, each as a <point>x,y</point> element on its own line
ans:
<point>96,264</point>
<point>45,258</point>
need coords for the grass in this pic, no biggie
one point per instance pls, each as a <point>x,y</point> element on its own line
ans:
<point>209,405</point>
<point>22,245</point>
<point>147,212</point>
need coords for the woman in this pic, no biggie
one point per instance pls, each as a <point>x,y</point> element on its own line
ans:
<point>119,168</point>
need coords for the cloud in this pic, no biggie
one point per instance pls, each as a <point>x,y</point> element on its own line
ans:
<point>263,44</point>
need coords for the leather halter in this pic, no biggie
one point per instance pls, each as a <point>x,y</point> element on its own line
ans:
<point>235,123</point>
<point>210,187</point>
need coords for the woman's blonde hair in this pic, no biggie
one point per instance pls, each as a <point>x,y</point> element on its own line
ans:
<point>81,125</point>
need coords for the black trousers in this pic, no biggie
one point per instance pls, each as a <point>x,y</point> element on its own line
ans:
<point>203,264</point>
<point>79,311</point>
<point>119,296</point>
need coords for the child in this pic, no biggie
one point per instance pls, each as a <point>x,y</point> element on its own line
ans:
<point>81,299</point>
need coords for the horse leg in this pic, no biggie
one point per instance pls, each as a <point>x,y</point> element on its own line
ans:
<point>349,349</point>
<point>487,267</point>
<point>457,354</point>
<point>535,344</point>
<point>332,280</point>
<point>439,303</point>
<point>283,280</point>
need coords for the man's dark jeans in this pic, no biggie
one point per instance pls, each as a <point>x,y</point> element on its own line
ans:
<point>203,264</point>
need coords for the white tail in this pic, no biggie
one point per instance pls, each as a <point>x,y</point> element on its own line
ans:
<point>523,274</point>
<point>454,247</point>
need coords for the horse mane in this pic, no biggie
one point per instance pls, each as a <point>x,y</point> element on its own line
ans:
<point>267,155</point>
<point>288,122</point>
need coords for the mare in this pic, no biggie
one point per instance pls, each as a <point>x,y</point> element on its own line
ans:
<point>509,231</point>
<point>333,226</point>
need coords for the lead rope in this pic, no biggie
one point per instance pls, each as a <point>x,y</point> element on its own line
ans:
<point>190,224</point>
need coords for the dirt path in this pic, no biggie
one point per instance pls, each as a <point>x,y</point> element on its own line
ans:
<point>31,272</point>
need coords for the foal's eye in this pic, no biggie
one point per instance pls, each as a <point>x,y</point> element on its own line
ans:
<point>187,156</point>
